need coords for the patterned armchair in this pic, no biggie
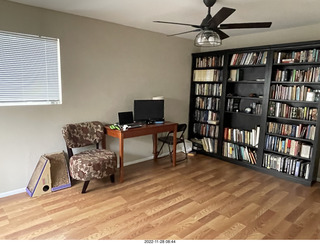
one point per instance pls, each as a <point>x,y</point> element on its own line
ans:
<point>91,163</point>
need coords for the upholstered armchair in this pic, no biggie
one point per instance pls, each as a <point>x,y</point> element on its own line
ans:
<point>92,163</point>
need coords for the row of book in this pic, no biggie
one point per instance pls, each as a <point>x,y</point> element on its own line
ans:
<point>238,152</point>
<point>235,75</point>
<point>288,165</point>
<point>206,130</point>
<point>303,56</point>
<point>213,75</point>
<point>212,61</point>
<point>294,93</point>
<point>249,137</point>
<point>233,105</point>
<point>208,89</point>
<point>302,75</point>
<point>251,58</point>
<point>288,146</point>
<point>283,110</point>
<point>205,115</point>
<point>210,144</point>
<point>207,103</point>
<point>298,131</point>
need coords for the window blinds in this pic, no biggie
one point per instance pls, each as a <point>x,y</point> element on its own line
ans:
<point>29,70</point>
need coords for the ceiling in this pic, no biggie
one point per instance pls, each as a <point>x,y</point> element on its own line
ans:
<point>141,13</point>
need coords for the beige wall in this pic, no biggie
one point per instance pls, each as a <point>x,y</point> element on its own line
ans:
<point>104,68</point>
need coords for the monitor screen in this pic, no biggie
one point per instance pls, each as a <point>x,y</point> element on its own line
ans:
<point>148,110</point>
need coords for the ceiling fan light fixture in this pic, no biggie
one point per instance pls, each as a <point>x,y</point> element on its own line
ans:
<point>207,38</point>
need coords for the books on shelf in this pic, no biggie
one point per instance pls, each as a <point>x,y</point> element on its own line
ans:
<point>239,152</point>
<point>210,144</point>
<point>288,165</point>
<point>306,150</point>
<point>283,110</point>
<point>292,130</point>
<point>293,93</point>
<point>250,58</point>
<point>206,130</point>
<point>208,89</point>
<point>204,116</point>
<point>233,105</point>
<point>211,61</point>
<point>287,146</point>
<point>213,75</point>
<point>235,75</point>
<point>207,103</point>
<point>302,75</point>
<point>303,56</point>
<point>249,137</point>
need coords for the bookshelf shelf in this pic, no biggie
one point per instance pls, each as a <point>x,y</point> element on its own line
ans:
<point>296,83</point>
<point>287,155</point>
<point>255,79</point>
<point>243,114</point>
<point>246,66</point>
<point>245,82</point>
<point>291,137</point>
<point>288,120</point>
<point>246,97</point>
<point>298,64</point>
<point>304,103</point>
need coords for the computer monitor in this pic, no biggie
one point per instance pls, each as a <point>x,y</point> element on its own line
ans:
<point>148,110</point>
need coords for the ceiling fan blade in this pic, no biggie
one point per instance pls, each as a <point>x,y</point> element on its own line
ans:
<point>246,25</point>
<point>220,16</point>
<point>185,32</point>
<point>174,23</point>
<point>221,34</point>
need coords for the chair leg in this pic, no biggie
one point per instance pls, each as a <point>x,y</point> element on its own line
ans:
<point>185,150</point>
<point>158,153</point>
<point>112,178</point>
<point>170,152</point>
<point>85,185</point>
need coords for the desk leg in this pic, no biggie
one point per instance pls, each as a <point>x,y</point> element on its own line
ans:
<point>155,146</point>
<point>121,158</point>
<point>174,153</point>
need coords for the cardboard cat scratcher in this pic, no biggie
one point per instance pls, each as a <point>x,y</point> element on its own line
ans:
<point>50,174</point>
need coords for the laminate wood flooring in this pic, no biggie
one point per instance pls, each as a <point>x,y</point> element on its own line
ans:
<point>202,198</point>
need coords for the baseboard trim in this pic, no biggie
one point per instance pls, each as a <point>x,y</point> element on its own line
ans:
<point>14,192</point>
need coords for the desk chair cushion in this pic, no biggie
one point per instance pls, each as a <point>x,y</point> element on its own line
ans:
<point>92,164</point>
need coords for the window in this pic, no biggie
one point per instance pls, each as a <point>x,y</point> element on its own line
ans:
<point>29,70</point>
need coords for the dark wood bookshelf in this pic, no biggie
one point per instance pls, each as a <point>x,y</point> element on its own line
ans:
<point>253,85</point>
<point>291,137</point>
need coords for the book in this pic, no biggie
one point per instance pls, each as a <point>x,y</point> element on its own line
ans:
<point>305,150</point>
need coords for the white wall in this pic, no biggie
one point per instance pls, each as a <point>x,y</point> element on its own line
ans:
<point>104,68</point>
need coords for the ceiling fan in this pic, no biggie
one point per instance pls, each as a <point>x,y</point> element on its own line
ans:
<point>211,28</point>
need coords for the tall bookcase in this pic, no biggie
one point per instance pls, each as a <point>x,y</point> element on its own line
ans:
<point>258,107</point>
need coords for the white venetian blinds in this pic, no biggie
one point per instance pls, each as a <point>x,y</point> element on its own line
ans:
<point>29,70</point>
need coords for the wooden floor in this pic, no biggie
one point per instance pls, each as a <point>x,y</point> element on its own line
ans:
<point>202,198</point>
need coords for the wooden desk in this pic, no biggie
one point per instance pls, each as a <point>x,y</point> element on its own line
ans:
<point>142,131</point>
